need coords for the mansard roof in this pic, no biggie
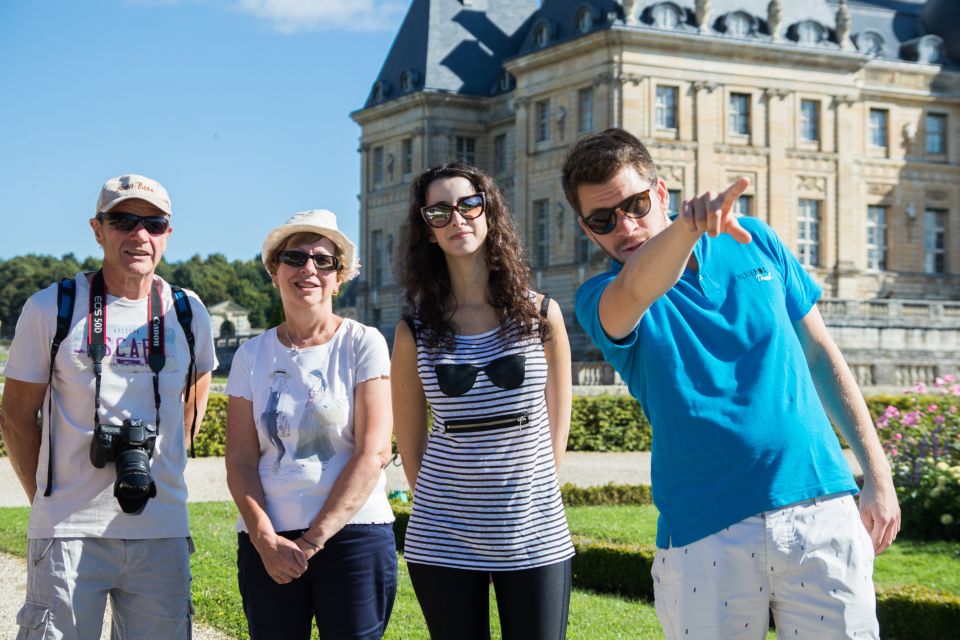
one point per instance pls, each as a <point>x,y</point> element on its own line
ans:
<point>459,46</point>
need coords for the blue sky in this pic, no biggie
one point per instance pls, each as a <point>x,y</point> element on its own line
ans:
<point>239,107</point>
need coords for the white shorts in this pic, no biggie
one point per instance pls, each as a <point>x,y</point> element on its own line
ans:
<point>811,563</point>
<point>68,580</point>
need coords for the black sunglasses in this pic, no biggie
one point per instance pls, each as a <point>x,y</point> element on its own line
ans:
<point>155,225</point>
<point>506,372</point>
<point>469,208</point>
<point>603,221</point>
<point>321,261</point>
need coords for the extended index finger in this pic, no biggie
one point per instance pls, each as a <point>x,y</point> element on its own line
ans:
<point>733,192</point>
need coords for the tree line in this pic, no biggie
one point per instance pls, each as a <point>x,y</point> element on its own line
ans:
<point>213,278</point>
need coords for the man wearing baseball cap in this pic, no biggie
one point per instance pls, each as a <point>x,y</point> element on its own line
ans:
<point>108,359</point>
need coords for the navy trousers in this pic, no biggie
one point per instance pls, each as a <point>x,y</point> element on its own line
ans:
<point>348,588</point>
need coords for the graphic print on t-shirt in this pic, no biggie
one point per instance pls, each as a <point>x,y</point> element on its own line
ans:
<point>323,415</point>
<point>127,347</point>
<point>272,419</point>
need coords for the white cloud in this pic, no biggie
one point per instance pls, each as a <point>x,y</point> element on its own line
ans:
<point>288,16</point>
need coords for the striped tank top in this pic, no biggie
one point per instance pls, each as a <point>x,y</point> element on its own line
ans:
<point>487,496</point>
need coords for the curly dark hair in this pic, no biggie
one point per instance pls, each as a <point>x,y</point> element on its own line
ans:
<point>422,267</point>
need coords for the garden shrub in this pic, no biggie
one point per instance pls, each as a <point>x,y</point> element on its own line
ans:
<point>912,612</point>
<point>608,494</point>
<point>608,423</point>
<point>920,434</point>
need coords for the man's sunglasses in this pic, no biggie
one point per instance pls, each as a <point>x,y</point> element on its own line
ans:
<point>321,261</point>
<point>469,208</point>
<point>603,221</point>
<point>155,225</point>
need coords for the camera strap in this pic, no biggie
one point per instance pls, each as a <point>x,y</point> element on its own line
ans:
<point>96,343</point>
<point>181,304</point>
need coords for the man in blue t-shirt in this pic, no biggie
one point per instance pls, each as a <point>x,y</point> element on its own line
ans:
<point>713,325</point>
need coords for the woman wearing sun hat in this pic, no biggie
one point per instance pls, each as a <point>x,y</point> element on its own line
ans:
<point>308,435</point>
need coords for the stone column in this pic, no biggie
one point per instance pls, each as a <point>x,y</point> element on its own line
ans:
<point>851,217</point>
<point>708,126</point>
<point>779,135</point>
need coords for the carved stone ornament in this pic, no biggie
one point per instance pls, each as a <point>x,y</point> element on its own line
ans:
<point>630,10</point>
<point>703,15</point>
<point>774,18</point>
<point>707,85</point>
<point>812,183</point>
<point>879,189</point>
<point>843,25</point>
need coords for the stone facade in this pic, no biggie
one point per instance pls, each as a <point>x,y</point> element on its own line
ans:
<point>853,154</point>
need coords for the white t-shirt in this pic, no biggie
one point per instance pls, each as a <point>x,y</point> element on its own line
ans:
<point>303,407</point>
<point>82,502</point>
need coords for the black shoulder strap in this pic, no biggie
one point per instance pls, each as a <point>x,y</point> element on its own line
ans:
<point>181,304</point>
<point>544,306</point>
<point>66,298</point>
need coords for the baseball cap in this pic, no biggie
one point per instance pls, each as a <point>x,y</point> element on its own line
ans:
<point>130,187</point>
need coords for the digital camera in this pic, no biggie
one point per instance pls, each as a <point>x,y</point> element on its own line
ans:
<point>130,447</point>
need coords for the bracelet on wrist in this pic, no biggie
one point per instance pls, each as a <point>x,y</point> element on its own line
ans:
<point>318,547</point>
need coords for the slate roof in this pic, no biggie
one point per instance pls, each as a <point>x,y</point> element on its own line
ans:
<point>459,46</point>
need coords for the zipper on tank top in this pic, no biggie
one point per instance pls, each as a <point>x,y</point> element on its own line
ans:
<point>487,423</point>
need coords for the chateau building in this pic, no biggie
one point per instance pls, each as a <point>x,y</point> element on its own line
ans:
<point>845,115</point>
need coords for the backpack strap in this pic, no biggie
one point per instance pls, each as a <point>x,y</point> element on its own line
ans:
<point>544,306</point>
<point>66,298</point>
<point>181,304</point>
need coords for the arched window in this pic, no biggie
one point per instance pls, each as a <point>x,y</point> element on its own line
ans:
<point>930,49</point>
<point>541,35</point>
<point>584,19</point>
<point>666,15</point>
<point>506,80</point>
<point>809,32</point>
<point>380,91</point>
<point>406,81</point>
<point>870,43</point>
<point>738,24</point>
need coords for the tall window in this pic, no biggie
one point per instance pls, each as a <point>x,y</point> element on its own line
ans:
<point>877,237</point>
<point>739,122</point>
<point>376,259</point>
<point>667,107</point>
<point>543,120</point>
<point>810,120</point>
<point>585,109</point>
<point>583,246</point>
<point>541,212</point>
<point>500,153</point>
<point>935,241</point>
<point>936,133</point>
<point>744,206</point>
<point>878,128</point>
<point>377,165</point>
<point>808,232</point>
<point>676,199</point>
<point>467,149</point>
<point>407,155</point>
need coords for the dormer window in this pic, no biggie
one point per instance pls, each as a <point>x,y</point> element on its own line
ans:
<point>380,91</point>
<point>738,24</point>
<point>810,32</point>
<point>584,19</point>
<point>666,15</point>
<point>541,35</point>
<point>408,81</point>
<point>505,81</point>
<point>930,49</point>
<point>870,43</point>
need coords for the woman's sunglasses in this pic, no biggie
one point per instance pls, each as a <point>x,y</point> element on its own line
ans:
<point>603,221</point>
<point>321,261</point>
<point>155,225</point>
<point>469,208</point>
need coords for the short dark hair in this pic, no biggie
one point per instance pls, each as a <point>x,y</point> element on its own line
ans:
<point>598,156</point>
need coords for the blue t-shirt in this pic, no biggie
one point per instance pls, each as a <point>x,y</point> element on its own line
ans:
<point>718,368</point>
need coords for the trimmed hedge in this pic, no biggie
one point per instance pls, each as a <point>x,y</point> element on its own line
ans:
<point>598,423</point>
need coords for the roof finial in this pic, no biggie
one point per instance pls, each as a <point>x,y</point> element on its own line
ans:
<point>843,25</point>
<point>774,17</point>
<point>630,11</point>
<point>703,15</point>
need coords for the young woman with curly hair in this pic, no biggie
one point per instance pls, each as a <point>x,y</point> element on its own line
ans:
<point>492,360</point>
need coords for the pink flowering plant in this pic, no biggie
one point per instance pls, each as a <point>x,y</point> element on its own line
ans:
<point>921,436</point>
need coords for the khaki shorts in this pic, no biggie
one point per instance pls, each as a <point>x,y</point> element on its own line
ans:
<point>811,563</point>
<point>69,579</point>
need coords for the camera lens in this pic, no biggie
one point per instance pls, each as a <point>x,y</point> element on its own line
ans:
<point>134,484</point>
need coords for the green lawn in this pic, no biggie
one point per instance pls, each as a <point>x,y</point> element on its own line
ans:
<point>592,616</point>
<point>931,564</point>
